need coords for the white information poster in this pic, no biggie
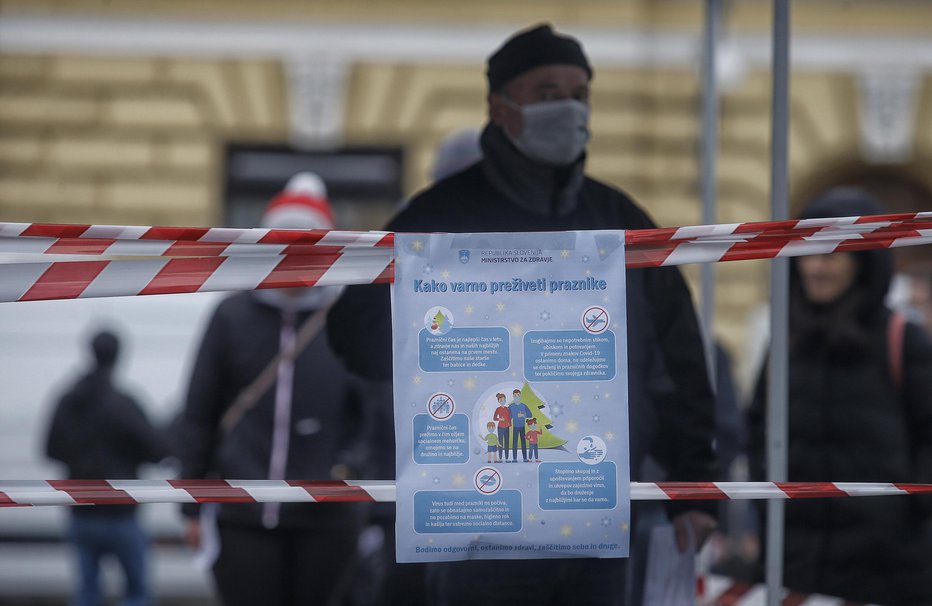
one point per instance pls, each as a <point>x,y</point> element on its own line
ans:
<point>510,386</point>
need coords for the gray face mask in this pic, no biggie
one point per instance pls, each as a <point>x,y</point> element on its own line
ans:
<point>554,132</point>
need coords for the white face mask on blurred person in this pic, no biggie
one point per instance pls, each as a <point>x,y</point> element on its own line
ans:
<point>552,132</point>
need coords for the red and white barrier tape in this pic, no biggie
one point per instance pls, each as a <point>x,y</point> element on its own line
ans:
<point>769,239</point>
<point>14,493</point>
<point>58,238</point>
<point>108,278</point>
<point>723,591</point>
<point>211,259</point>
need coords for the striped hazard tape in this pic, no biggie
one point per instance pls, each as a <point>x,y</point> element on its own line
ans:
<point>724,591</point>
<point>163,260</point>
<point>65,239</point>
<point>102,492</point>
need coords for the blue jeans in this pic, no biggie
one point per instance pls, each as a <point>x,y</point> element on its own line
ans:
<point>518,433</point>
<point>98,534</point>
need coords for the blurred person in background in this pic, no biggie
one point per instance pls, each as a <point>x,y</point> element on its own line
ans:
<point>456,152</point>
<point>860,410</point>
<point>268,400</point>
<point>100,432</point>
<point>531,178</point>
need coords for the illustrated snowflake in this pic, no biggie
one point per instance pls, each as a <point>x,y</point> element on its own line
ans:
<point>596,418</point>
<point>451,382</point>
<point>428,269</point>
<point>436,480</point>
<point>545,315</point>
<point>595,397</point>
<point>445,274</point>
<point>585,258</point>
<point>556,410</point>
<point>606,522</point>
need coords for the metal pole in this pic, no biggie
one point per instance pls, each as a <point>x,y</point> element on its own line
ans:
<point>779,301</point>
<point>707,172</point>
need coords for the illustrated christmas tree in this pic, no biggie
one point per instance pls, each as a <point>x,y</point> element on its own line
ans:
<point>439,321</point>
<point>547,439</point>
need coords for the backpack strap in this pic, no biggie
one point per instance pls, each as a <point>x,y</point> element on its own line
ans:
<point>896,327</point>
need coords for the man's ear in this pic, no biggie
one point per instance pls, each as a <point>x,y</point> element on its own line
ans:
<point>497,109</point>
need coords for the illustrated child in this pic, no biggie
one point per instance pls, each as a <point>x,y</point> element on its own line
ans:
<point>519,413</point>
<point>492,440</point>
<point>503,416</point>
<point>532,435</point>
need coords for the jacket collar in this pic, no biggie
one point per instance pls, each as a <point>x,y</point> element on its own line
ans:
<point>538,188</point>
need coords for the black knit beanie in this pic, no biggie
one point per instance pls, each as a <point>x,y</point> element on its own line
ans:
<point>532,48</point>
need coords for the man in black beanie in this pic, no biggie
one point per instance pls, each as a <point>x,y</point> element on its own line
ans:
<point>531,178</point>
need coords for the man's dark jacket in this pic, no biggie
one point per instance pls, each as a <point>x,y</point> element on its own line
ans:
<point>671,405</point>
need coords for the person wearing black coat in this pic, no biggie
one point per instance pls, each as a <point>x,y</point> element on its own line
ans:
<point>101,433</point>
<point>855,415</point>
<point>537,183</point>
<point>305,424</point>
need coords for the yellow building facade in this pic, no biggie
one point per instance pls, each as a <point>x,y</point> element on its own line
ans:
<point>121,112</point>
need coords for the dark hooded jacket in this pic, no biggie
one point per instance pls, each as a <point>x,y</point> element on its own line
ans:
<point>327,414</point>
<point>100,433</point>
<point>671,405</point>
<point>849,421</point>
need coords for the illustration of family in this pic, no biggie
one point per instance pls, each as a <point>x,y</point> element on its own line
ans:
<point>517,418</point>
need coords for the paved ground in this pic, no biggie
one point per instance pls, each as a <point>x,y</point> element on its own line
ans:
<point>40,574</point>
